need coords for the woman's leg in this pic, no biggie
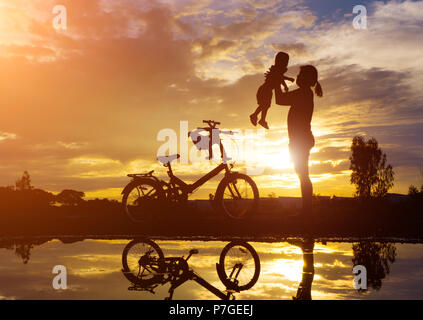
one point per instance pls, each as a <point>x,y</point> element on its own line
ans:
<point>306,191</point>
<point>301,167</point>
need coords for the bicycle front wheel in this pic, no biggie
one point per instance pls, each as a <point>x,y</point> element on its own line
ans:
<point>237,196</point>
<point>239,266</point>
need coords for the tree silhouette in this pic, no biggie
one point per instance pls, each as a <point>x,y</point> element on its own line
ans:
<point>370,172</point>
<point>70,197</point>
<point>416,196</point>
<point>40,197</point>
<point>376,257</point>
<point>24,251</point>
<point>22,247</point>
<point>24,183</point>
<point>413,191</point>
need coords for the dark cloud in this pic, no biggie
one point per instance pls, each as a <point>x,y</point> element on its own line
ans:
<point>298,49</point>
<point>391,96</point>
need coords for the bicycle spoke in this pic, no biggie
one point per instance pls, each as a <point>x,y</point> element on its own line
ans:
<point>238,265</point>
<point>139,268</point>
<point>237,192</point>
<point>238,198</point>
<point>142,269</point>
<point>147,194</point>
<point>142,201</point>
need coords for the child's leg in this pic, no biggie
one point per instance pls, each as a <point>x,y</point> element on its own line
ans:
<point>264,110</point>
<point>259,95</point>
<point>265,105</point>
<point>253,116</point>
<point>258,110</point>
<point>262,121</point>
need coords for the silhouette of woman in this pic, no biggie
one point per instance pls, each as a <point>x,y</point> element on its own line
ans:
<point>301,139</point>
<point>304,289</point>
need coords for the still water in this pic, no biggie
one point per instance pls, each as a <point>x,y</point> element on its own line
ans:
<point>94,270</point>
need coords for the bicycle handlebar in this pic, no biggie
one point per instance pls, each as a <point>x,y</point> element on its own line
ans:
<point>211,123</point>
<point>220,131</point>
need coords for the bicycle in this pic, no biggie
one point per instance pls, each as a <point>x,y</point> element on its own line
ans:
<point>145,266</point>
<point>236,196</point>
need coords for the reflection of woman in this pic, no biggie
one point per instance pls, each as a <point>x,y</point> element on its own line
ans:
<point>301,139</point>
<point>304,289</point>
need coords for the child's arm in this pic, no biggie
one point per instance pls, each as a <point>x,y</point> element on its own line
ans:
<point>284,86</point>
<point>277,79</point>
<point>284,83</point>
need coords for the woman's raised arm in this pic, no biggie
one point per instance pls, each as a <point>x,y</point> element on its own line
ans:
<point>284,99</point>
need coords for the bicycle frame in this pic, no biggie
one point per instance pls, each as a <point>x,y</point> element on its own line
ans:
<point>188,274</point>
<point>192,276</point>
<point>178,273</point>
<point>190,188</point>
<point>176,190</point>
<point>153,269</point>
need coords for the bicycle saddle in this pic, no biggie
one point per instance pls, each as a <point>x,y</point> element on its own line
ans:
<point>167,159</point>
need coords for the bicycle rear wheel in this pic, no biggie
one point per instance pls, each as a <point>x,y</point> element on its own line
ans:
<point>239,266</point>
<point>237,196</point>
<point>142,199</point>
<point>143,262</point>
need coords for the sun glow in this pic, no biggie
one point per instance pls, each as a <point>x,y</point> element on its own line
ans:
<point>287,268</point>
<point>279,160</point>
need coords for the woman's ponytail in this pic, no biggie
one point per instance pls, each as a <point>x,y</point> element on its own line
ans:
<point>309,78</point>
<point>318,89</point>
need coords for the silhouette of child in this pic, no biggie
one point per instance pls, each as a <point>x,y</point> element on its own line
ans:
<point>273,77</point>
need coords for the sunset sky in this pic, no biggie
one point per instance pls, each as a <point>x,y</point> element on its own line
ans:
<point>82,107</point>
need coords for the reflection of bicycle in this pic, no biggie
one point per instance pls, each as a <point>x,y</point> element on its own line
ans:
<point>236,196</point>
<point>146,267</point>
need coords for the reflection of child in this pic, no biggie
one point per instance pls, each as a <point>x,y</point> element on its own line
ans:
<point>273,77</point>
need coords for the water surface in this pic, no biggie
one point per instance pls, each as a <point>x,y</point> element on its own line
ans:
<point>94,270</point>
